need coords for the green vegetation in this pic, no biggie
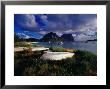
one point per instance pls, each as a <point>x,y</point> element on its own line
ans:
<point>19,42</point>
<point>36,45</point>
<point>26,44</point>
<point>28,63</point>
<point>22,44</point>
<point>61,49</point>
<point>16,38</point>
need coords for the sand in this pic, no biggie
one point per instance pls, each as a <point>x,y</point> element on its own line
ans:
<point>16,49</point>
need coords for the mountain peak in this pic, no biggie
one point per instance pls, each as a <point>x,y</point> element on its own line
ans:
<point>54,37</point>
<point>50,37</point>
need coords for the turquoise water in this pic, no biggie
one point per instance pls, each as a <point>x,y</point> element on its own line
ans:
<point>89,46</point>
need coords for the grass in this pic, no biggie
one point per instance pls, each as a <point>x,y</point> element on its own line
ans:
<point>61,49</point>
<point>84,63</point>
<point>22,44</point>
<point>26,44</point>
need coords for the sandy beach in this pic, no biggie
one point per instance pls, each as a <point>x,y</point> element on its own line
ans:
<point>16,49</point>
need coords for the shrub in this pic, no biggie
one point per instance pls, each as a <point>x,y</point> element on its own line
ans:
<point>61,49</point>
<point>22,44</point>
<point>84,63</point>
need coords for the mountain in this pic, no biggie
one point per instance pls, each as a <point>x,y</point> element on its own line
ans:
<point>53,37</point>
<point>92,40</point>
<point>21,37</point>
<point>85,36</point>
<point>67,37</point>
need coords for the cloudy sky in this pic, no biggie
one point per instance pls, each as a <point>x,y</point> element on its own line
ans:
<point>37,25</point>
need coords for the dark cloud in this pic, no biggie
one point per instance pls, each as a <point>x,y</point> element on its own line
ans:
<point>59,23</point>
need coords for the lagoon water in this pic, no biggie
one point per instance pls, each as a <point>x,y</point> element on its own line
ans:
<point>89,46</point>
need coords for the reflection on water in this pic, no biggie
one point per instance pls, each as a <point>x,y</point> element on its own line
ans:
<point>89,46</point>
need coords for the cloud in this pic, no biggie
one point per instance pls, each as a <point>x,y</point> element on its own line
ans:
<point>82,37</point>
<point>58,23</point>
<point>68,31</point>
<point>58,33</point>
<point>90,32</point>
<point>26,21</point>
<point>23,35</point>
<point>42,32</point>
<point>74,35</point>
<point>91,24</point>
<point>44,18</point>
<point>30,21</point>
<point>75,22</point>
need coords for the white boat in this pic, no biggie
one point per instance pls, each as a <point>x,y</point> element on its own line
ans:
<point>56,55</point>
